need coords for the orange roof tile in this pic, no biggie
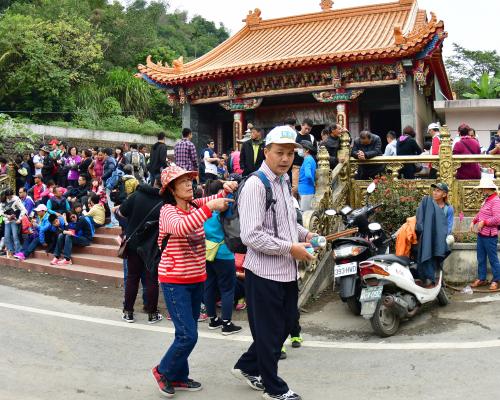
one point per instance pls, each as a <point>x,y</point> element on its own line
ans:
<point>382,31</point>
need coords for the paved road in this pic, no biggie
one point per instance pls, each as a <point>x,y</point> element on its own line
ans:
<point>51,349</point>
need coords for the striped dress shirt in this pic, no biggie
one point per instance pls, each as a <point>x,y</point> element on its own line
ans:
<point>268,256</point>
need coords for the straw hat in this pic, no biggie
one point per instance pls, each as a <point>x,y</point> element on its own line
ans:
<point>487,183</point>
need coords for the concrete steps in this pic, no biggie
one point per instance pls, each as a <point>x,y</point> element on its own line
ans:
<point>98,262</point>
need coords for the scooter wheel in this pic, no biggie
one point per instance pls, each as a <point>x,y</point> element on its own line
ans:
<point>385,322</point>
<point>442,298</point>
<point>354,305</point>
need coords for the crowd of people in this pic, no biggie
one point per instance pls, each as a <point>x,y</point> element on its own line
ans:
<point>172,213</point>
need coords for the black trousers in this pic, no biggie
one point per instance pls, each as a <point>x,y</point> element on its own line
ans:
<point>272,315</point>
<point>135,268</point>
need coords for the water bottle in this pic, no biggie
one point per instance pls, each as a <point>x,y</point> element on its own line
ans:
<point>318,241</point>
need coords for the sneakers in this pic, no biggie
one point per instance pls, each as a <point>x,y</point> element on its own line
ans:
<point>154,317</point>
<point>215,323</point>
<point>283,353</point>
<point>296,341</point>
<point>290,395</point>
<point>228,328</point>
<point>253,381</point>
<point>203,313</point>
<point>164,386</point>
<point>128,316</point>
<point>203,317</point>
<point>20,256</point>
<point>241,305</point>
<point>189,386</point>
<point>54,261</point>
<point>65,262</point>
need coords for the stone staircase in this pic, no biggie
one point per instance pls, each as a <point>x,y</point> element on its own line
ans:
<point>98,262</point>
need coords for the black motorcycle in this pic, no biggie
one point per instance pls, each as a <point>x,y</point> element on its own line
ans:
<point>348,252</point>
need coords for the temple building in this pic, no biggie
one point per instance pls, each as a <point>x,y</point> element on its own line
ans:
<point>376,67</point>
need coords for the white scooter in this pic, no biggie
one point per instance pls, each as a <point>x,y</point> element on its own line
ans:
<point>391,293</point>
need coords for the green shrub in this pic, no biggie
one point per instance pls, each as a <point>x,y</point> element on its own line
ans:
<point>400,198</point>
<point>110,107</point>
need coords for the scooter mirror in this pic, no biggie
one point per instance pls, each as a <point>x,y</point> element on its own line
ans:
<point>371,188</point>
<point>331,213</point>
<point>374,227</point>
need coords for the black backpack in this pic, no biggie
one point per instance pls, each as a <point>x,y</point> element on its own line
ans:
<point>230,219</point>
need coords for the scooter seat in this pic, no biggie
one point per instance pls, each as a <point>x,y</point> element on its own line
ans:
<point>405,261</point>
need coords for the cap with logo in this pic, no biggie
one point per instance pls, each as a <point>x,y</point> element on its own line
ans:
<point>282,135</point>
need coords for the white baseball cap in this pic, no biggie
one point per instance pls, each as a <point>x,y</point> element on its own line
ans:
<point>40,207</point>
<point>282,135</point>
<point>433,125</point>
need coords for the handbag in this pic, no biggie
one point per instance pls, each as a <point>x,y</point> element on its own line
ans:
<point>122,251</point>
<point>212,249</point>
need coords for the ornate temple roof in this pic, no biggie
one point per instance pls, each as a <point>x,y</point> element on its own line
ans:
<point>333,36</point>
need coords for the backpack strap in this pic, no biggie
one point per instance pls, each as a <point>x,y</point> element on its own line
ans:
<point>270,200</point>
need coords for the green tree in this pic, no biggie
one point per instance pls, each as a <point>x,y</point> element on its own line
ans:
<point>52,59</point>
<point>465,66</point>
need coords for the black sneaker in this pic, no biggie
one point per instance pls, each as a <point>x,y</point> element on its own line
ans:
<point>290,395</point>
<point>154,317</point>
<point>164,386</point>
<point>253,381</point>
<point>128,316</point>
<point>215,323</point>
<point>228,328</point>
<point>189,386</point>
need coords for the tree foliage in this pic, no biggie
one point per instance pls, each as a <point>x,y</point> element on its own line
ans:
<point>466,66</point>
<point>65,59</point>
<point>486,88</point>
<point>11,129</point>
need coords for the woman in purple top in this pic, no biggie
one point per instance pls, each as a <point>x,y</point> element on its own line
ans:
<point>73,161</point>
<point>467,145</point>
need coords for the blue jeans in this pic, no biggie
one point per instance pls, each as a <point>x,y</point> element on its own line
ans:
<point>66,242</point>
<point>427,270</point>
<point>30,245</point>
<point>11,235</point>
<point>114,221</point>
<point>183,304</point>
<point>487,249</point>
<point>221,274</point>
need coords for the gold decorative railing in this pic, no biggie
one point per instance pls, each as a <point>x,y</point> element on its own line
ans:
<point>337,188</point>
<point>4,182</point>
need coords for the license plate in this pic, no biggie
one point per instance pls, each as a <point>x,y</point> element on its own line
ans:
<point>373,293</point>
<point>346,269</point>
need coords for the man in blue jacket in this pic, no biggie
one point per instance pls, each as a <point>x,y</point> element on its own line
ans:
<point>40,226</point>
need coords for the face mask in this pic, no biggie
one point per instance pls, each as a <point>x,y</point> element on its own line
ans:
<point>300,152</point>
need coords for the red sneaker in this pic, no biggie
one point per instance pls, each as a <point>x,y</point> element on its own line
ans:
<point>65,262</point>
<point>55,261</point>
<point>164,386</point>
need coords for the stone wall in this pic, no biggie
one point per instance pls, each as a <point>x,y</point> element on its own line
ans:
<point>85,138</point>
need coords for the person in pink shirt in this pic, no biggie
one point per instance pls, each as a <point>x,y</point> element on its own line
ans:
<point>486,223</point>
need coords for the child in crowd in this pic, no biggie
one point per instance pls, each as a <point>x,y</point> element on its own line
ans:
<point>96,210</point>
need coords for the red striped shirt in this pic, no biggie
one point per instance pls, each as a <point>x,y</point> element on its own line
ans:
<point>184,259</point>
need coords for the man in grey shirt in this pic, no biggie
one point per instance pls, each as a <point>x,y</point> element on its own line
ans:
<point>271,266</point>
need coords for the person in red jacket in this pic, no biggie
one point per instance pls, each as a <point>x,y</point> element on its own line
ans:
<point>181,270</point>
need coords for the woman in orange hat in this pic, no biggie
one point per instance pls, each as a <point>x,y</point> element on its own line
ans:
<point>182,270</point>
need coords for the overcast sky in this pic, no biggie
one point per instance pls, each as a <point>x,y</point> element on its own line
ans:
<point>472,24</point>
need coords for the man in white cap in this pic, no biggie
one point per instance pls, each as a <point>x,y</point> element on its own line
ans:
<point>486,223</point>
<point>275,241</point>
<point>433,131</point>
